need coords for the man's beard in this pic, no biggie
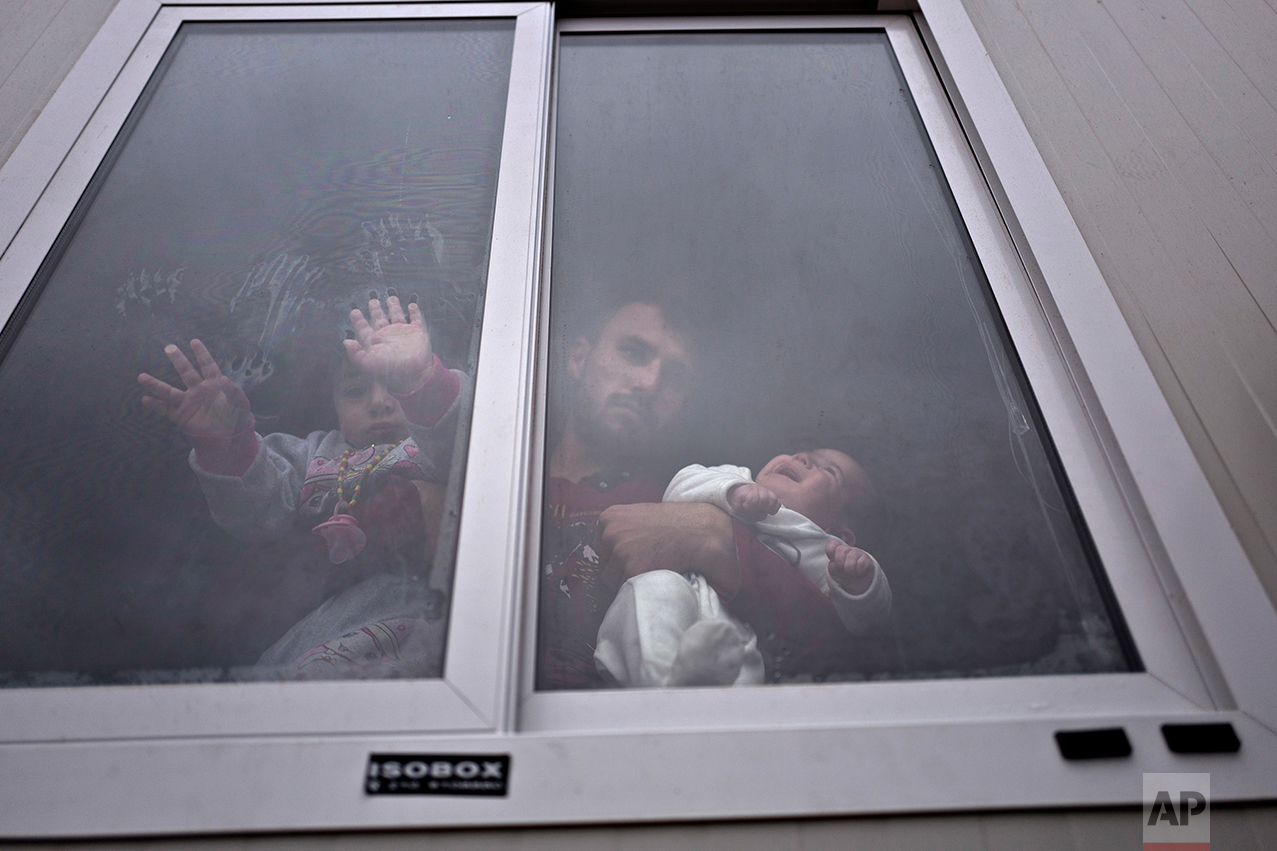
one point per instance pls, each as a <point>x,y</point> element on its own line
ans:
<point>613,446</point>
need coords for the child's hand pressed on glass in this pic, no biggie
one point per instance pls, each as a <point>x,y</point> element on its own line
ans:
<point>851,567</point>
<point>752,501</point>
<point>211,405</point>
<point>395,348</point>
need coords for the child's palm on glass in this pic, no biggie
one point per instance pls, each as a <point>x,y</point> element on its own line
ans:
<point>393,346</point>
<point>212,405</point>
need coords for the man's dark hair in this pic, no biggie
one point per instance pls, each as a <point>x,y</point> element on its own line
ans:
<point>672,300</point>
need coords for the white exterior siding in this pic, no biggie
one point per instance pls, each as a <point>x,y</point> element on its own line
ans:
<point>1153,120</point>
<point>1234,829</point>
<point>39,42</point>
<point>1157,122</point>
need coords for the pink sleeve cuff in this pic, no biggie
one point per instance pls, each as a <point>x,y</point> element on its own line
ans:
<point>226,456</point>
<point>428,403</point>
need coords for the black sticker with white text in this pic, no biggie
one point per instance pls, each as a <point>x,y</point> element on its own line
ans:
<point>437,774</point>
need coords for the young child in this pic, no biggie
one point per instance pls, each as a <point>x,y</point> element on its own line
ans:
<point>667,629</point>
<point>396,409</point>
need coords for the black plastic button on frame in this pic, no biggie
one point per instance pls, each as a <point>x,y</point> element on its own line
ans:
<point>1107,743</point>
<point>1201,738</point>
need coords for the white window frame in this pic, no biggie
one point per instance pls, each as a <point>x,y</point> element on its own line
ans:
<point>470,695</point>
<point>245,757</point>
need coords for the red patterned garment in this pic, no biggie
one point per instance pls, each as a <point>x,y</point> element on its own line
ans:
<point>795,622</point>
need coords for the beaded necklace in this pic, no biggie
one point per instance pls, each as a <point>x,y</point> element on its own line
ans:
<point>344,467</point>
<point>341,532</point>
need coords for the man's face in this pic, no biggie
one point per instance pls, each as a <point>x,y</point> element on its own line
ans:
<point>631,382</point>
<point>366,411</point>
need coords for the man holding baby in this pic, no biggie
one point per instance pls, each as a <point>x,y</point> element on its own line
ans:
<point>630,378</point>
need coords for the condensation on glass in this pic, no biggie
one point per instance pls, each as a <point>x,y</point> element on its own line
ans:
<point>756,259</point>
<point>272,178</point>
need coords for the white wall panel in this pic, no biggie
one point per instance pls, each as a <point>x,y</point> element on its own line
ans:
<point>1233,828</point>
<point>39,42</point>
<point>1157,122</point>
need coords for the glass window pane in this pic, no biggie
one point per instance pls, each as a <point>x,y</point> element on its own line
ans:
<point>758,268</point>
<point>273,178</point>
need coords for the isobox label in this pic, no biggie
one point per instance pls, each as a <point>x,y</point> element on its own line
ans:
<point>437,774</point>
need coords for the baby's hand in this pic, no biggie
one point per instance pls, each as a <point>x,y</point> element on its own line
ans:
<point>394,346</point>
<point>851,567</point>
<point>211,405</point>
<point>752,501</point>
